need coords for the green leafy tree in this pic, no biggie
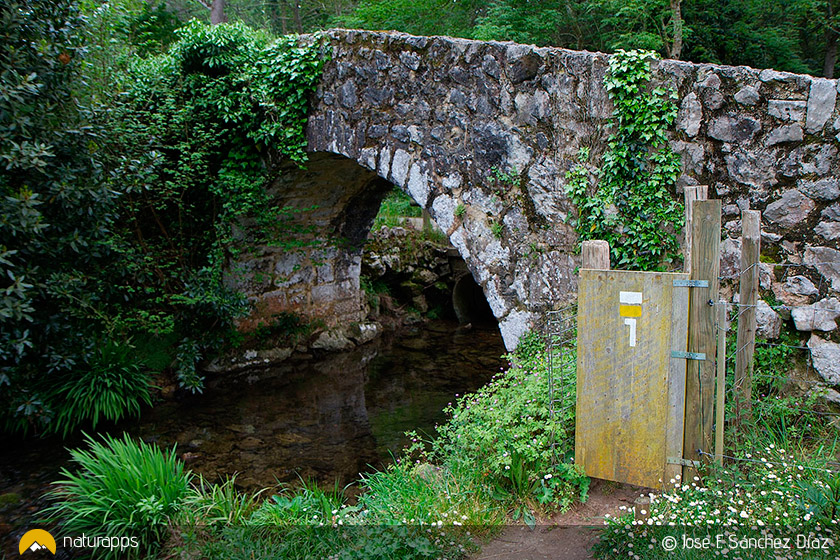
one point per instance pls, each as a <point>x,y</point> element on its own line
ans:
<point>198,133</point>
<point>56,212</point>
<point>420,17</point>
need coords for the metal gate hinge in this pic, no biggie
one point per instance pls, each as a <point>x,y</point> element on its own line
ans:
<point>688,355</point>
<point>683,462</point>
<point>691,283</point>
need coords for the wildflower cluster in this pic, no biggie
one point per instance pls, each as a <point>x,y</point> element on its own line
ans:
<point>772,496</point>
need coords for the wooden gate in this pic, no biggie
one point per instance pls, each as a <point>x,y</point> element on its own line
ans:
<point>631,363</point>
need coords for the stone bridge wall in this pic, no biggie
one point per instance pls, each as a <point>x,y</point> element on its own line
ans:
<point>435,115</point>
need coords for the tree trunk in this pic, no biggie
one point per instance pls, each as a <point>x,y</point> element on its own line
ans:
<point>217,12</point>
<point>830,53</point>
<point>575,23</point>
<point>677,27</point>
<point>296,13</point>
<point>831,36</point>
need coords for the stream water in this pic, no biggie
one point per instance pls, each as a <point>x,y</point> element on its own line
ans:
<point>325,419</point>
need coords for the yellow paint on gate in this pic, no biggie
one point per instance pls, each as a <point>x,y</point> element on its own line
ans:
<point>630,310</point>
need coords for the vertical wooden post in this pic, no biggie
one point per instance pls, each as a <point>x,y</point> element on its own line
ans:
<point>595,254</point>
<point>700,374</point>
<point>699,192</point>
<point>427,221</point>
<point>748,295</point>
<point>721,382</point>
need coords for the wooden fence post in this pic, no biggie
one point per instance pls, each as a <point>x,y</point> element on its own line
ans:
<point>595,254</point>
<point>700,374</point>
<point>748,295</point>
<point>699,192</point>
<point>427,220</point>
<point>720,421</point>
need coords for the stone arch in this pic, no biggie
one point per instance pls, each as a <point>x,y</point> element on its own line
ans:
<point>487,256</point>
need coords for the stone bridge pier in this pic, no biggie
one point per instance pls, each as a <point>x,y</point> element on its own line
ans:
<point>481,134</point>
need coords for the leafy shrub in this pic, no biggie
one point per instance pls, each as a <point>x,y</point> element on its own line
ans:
<point>57,210</point>
<point>122,489</point>
<point>110,387</point>
<point>505,432</point>
<point>197,137</point>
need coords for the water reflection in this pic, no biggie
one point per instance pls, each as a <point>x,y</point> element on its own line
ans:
<point>323,419</point>
<point>327,419</point>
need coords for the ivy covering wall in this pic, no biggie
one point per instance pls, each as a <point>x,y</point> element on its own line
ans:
<point>629,200</point>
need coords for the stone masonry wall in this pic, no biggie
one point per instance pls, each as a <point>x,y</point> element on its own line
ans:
<point>435,115</point>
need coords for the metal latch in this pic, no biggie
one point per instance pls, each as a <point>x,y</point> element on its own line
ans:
<point>691,283</point>
<point>683,462</point>
<point>688,355</point>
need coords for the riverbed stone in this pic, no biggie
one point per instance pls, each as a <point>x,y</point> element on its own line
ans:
<point>828,395</point>
<point>790,210</point>
<point>821,316</point>
<point>747,95</point>
<point>363,333</point>
<point>826,358</point>
<point>787,133</point>
<point>768,322</point>
<point>734,128</point>
<point>786,110</point>
<point>825,189</point>
<point>691,114</point>
<point>801,285</point>
<point>730,258</point>
<point>333,340</point>
<point>513,326</point>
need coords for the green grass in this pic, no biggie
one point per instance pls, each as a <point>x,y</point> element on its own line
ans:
<point>123,489</point>
<point>395,206</point>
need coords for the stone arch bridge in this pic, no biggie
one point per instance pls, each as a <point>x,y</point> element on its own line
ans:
<point>436,116</point>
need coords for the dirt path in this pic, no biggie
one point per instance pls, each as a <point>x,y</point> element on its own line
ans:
<point>568,536</point>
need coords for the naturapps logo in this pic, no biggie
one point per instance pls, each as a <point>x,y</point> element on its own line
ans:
<point>35,540</point>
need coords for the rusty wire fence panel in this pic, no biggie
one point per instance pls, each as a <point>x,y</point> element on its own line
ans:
<point>561,356</point>
<point>802,382</point>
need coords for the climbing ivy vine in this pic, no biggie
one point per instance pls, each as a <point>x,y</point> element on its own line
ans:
<point>630,203</point>
<point>200,131</point>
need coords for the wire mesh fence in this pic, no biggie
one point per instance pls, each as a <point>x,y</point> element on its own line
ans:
<point>792,380</point>
<point>560,341</point>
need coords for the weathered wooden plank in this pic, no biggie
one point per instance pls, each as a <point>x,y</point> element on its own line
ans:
<point>676,382</point>
<point>721,383</point>
<point>595,254</point>
<point>700,375</point>
<point>698,192</point>
<point>748,295</point>
<point>624,389</point>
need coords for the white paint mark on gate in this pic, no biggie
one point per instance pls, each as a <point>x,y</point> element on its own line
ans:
<point>632,324</point>
<point>630,298</point>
